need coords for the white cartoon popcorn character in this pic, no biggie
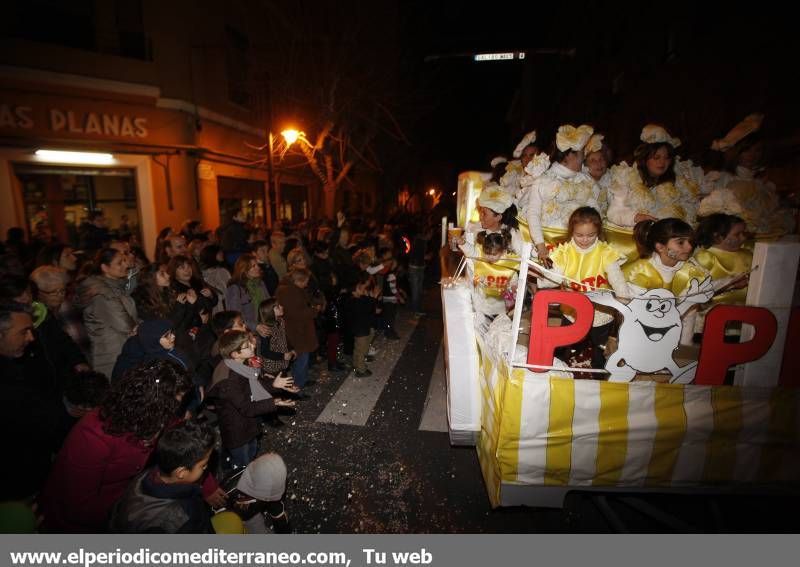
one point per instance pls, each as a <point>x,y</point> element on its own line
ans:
<point>651,331</point>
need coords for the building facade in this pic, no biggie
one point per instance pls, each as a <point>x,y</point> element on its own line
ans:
<point>165,93</point>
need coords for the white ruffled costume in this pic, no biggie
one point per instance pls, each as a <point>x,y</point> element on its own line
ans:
<point>555,194</point>
<point>629,196</point>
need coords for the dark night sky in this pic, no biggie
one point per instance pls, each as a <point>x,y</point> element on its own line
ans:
<point>696,68</point>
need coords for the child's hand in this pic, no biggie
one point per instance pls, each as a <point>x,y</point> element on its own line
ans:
<point>217,499</point>
<point>263,330</point>
<point>291,355</point>
<point>282,382</point>
<point>740,282</point>
<point>206,292</point>
<point>181,298</point>
<point>284,403</point>
<point>541,251</point>
<point>191,296</point>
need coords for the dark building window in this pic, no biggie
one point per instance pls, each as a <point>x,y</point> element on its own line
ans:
<point>71,24</point>
<point>74,24</point>
<point>236,63</point>
<point>134,42</point>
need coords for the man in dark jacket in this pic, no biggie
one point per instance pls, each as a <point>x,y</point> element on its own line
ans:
<point>31,401</point>
<point>234,238</point>
<point>94,232</point>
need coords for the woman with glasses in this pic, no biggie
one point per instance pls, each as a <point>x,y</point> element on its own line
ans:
<point>51,289</point>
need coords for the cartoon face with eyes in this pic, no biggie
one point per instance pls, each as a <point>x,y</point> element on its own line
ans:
<point>651,330</point>
<point>656,314</point>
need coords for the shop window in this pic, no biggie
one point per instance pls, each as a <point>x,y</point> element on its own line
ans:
<point>294,202</point>
<point>62,198</point>
<point>236,194</point>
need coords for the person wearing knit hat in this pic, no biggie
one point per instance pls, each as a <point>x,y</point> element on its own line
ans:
<point>658,184</point>
<point>740,188</point>
<point>552,197</point>
<point>261,487</point>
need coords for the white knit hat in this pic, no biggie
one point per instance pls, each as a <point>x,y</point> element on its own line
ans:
<point>264,478</point>
<point>750,124</point>
<point>655,134</point>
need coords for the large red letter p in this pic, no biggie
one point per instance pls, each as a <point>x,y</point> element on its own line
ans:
<point>544,339</point>
<point>717,356</point>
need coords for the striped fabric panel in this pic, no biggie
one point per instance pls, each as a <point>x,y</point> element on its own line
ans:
<point>721,450</point>
<point>779,460</point>
<point>585,429</point>
<point>508,452</point>
<point>642,430</point>
<point>534,423</point>
<point>612,440</point>
<point>756,411</point>
<point>559,432</point>
<point>691,458</point>
<point>671,419</point>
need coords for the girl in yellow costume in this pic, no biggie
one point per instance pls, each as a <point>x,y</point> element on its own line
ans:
<point>657,186</point>
<point>719,240</point>
<point>665,262</point>
<point>593,263</point>
<point>563,188</point>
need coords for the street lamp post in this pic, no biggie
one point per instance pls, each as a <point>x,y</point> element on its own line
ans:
<point>272,192</point>
<point>289,136</point>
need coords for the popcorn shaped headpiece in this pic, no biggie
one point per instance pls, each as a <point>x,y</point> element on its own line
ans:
<point>595,143</point>
<point>655,134</point>
<point>571,138</point>
<point>495,198</point>
<point>526,141</point>
<point>750,124</point>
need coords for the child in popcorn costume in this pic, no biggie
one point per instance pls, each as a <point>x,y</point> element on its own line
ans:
<point>586,263</point>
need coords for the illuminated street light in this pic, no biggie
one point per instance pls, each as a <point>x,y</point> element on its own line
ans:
<point>432,192</point>
<point>291,136</point>
<point>85,158</point>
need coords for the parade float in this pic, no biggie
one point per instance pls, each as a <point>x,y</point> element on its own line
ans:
<point>649,420</point>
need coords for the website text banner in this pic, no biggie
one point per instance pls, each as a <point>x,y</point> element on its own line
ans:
<point>392,550</point>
